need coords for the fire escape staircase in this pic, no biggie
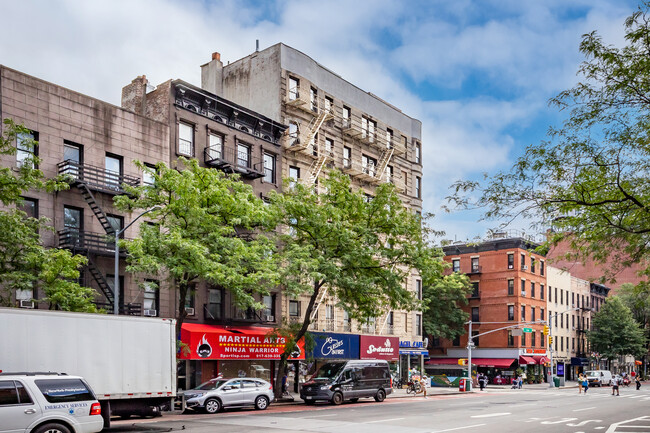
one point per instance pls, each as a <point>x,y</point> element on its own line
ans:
<point>383,162</point>
<point>100,280</point>
<point>316,167</point>
<point>97,210</point>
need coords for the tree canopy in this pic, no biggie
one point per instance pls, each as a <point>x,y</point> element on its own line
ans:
<point>359,249</point>
<point>206,225</point>
<point>615,332</point>
<point>25,264</point>
<point>590,181</point>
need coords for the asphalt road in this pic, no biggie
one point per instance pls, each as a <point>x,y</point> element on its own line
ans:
<point>527,410</point>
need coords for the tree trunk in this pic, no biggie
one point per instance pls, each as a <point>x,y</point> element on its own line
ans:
<point>282,365</point>
<point>182,314</point>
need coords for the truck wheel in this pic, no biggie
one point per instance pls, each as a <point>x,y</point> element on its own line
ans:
<point>337,398</point>
<point>212,405</point>
<point>261,403</point>
<point>52,428</point>
<point>380,396</point>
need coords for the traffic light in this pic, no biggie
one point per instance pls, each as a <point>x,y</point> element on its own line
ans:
<point>545,331</point>
<point>550,340</point>
<point>462,361</point>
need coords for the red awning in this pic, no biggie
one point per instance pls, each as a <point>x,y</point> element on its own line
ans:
<point>541,360</point>
<point>230,342</point>
<point>527,360</point>
<point>479,362</point>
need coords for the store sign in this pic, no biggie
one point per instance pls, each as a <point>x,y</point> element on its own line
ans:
<point>376,347</point>
<point>534,351</point>
<point>214,342</point>
<point>335,346</point>
<point>411,344</point>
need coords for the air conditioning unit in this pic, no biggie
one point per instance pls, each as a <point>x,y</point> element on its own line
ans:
<point>269,318</point>
<point>26,303</point>
<point>190,311</point>
<point>150,313</point>
<point>524,267</point>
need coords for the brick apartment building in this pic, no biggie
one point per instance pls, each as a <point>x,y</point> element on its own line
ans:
<point>509,287</point>
<point>332,124</point>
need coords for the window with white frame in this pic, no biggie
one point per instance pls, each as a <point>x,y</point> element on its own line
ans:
<point>347,157</point>
<point>418,186</point>
<point>243,155</point>
<point>294,85</point>
<point>313,99</point>
<point>418,153</point>
<point>368,165</point>
<point>150,297</point>
<point>347,117</point>
<point>293,133</point>
<point>185,139</point>
<point>329,146</point>
<point>215,146</point>
<point>269,168</point>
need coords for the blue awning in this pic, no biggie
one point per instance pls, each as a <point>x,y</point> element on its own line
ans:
<point>419,351</point>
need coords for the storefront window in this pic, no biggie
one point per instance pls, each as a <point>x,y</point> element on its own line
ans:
<point>259,368</point>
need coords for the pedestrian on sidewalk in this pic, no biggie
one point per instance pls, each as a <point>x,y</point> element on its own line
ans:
<point>581,379</point>
<point>637,382</point>
<point>521,381</point>
<point>615,382</point>
<point>423,385</point>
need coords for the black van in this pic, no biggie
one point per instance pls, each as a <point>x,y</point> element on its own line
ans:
<point>348,380</point>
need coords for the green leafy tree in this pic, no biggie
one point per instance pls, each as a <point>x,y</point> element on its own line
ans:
<point>24,263</point>
<point>443,305</point>
<point>615,332</point>
<point>358,249</point>
<point>590,181</point>
<point>637,299</point>
<point>206,225</point>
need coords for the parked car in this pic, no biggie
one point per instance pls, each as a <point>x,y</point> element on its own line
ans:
<point>599,377</point>
<point>217,394</point>
<point>48,402</point>
<point>337,382</point>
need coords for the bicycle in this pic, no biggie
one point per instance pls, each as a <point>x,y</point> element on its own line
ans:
<point>414,387</point>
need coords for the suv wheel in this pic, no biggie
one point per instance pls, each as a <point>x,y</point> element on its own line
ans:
<point>52,428</point>
<point>212,405</point>
<point>337,398</point>
<point>261,402</point>
<point>380,396</point>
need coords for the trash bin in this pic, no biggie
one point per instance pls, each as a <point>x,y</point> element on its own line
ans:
<point>556,382</point>
<point>462,385</point>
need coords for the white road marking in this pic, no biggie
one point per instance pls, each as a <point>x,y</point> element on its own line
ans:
<point>580,424</point>
<point>599,428</point>
<point>488,415</point>
<point>612,428</point>
<point>562,421</point>
<point>318,416</point>
<point>458,428</point>
<point>383,420</point>
<point>586,408</point>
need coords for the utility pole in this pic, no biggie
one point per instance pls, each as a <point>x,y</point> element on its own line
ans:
<point>470,344</point>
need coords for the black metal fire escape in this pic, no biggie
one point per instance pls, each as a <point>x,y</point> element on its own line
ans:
<point>87,179</point>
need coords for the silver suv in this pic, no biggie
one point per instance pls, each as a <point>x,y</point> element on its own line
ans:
<point>47,402</point>
<point>216,394</point>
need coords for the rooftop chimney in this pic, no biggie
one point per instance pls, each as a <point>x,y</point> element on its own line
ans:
<point>212,75</point>
<point>134,95</point>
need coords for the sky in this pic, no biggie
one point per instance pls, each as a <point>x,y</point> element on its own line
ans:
<point>477,73</point>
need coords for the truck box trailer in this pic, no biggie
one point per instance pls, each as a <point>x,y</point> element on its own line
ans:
<point>130,362</point>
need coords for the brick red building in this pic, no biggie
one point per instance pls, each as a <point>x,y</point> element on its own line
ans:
<point>509,282</point>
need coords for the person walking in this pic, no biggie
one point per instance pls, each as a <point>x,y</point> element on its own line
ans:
<point>615,382</point>
<point>585,384</point>
<point>637,382</point>
<point>581,379</point>
<point>521,381</point>
<point>481,381</point>
<point>423,385</point>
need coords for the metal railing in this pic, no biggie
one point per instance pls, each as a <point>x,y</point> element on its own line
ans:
<point>233,161</point>
<point>99,243</point>
<point>96,178</point>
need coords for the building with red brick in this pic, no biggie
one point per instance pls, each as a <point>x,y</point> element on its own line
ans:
<point>509,281</point>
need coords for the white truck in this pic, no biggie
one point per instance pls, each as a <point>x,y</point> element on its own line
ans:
<point>130,362</point>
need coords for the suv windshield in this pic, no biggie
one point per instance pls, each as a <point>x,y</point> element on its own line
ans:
<point>212,384</point>
<point>328,371</point>
<point>592,374</point>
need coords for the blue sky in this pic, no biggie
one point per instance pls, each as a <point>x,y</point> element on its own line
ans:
<point>478,73</point>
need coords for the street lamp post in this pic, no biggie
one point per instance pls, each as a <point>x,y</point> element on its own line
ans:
<point>116,277</point>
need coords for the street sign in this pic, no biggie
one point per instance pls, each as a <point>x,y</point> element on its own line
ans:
<point>527,329</point>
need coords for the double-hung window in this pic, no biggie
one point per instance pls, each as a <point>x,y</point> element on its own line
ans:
<point>243,155</point>
<point>269,168</point>
<point>185,139</point>
<point>26,148</point>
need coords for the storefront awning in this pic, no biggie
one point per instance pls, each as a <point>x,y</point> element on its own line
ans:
<point>413,352</point>
<point>541,360</point>
<point>527,360</point>
<point>230,342</point>
<point>479,362</point>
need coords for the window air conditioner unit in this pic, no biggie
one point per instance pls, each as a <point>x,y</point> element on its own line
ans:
<point>269,318</point>
<point>190,311</point>
<point>151,313</point>
<point>26,303</point>
<point>524,267</point>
